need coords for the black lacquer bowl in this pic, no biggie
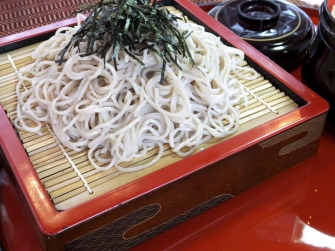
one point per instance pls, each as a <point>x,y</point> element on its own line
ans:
<point>318,68</point>
<point>278,29</point>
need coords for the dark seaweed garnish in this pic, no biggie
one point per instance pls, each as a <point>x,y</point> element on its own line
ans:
<point>124,24</point>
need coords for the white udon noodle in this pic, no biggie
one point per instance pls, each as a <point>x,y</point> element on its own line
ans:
<point>127,112</point>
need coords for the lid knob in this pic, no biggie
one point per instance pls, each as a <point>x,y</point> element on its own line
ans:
<point>258,14</point>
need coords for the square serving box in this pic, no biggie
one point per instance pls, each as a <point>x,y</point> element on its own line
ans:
<point>123,212</point>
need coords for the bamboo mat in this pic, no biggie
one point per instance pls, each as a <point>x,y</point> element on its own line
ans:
<point>52,162</point>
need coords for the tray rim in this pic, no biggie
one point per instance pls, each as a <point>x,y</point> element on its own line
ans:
<point>50,221</point>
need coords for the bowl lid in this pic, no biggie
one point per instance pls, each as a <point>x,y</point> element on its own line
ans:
<point>260,20</point>
<point>271,26</point>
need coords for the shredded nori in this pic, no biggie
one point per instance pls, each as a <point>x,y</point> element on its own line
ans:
<point>124,24</point>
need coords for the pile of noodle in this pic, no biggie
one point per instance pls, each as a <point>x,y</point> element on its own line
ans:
<point>121,114</point>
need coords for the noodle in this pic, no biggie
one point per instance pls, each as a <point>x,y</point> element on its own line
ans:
<point>122,114</point>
